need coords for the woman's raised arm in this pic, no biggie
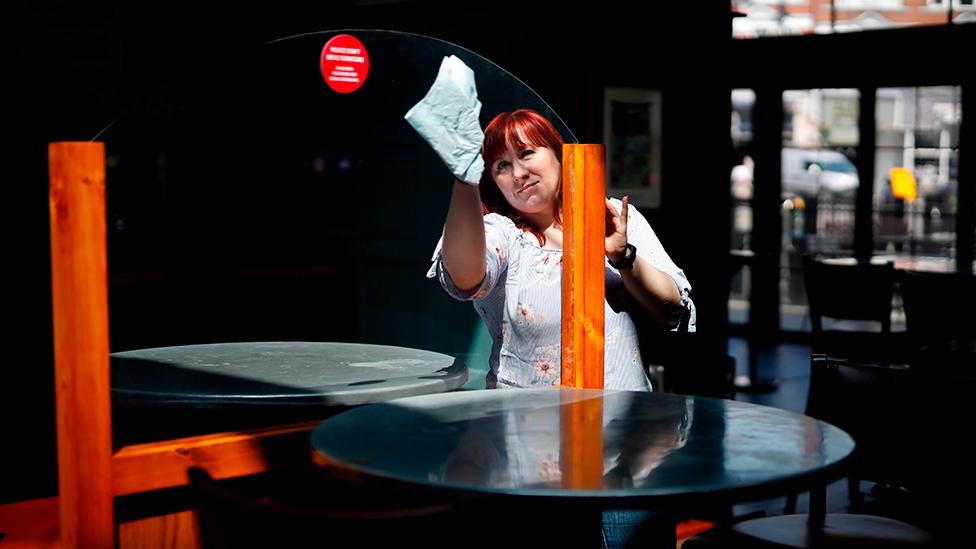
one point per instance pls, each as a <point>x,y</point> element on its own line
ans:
<point>463,249</point>
<point>447,118</point>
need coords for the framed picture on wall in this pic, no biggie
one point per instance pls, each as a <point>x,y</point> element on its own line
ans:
<point>632,135</point>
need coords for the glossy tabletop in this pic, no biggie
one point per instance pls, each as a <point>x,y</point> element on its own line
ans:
<point>584,444</point>
<point>279,374</point>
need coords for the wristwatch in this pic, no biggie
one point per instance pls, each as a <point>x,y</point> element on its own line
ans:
<point>630,254</point>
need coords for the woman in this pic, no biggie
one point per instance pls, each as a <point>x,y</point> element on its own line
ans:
<point>502,249</point>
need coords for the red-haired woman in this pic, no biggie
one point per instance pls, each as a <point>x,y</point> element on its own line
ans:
<point>502,249</point>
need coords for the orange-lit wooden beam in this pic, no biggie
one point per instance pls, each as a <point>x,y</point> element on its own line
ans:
<point>157,465</point>
<point>584,222</point>
<point>89,474</point>
<point>32,523</point>
<point>81,353</point>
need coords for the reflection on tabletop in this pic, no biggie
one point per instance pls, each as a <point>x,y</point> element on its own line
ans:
<point>582,443</point>
<point>590,448</point>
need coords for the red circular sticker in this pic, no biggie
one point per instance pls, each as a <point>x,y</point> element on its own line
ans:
<point>344,63</point>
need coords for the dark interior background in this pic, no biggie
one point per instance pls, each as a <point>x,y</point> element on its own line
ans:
<point>208,242</point>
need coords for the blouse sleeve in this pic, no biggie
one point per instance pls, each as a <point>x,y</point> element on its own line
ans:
<point>641,235</point>
<point>500,235</point>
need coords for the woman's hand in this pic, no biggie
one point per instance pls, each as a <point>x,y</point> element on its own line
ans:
<point>616,241</point>
<point>652,288</point>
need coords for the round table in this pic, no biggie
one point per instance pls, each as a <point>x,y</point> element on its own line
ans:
<point>611,448</point>
<point>178,391</point>
<point>280,374</point>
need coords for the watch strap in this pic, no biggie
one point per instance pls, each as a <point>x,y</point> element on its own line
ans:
<point>630,255</point>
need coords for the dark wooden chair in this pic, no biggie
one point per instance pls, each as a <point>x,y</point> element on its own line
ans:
<point>858,299</point>
<point>305,511</point>
<point>681,362</point>
<point>911,427</point>
<point>939,319</point>
<point>879,407</point>
<point>912,430</point>
<point>875,404</point>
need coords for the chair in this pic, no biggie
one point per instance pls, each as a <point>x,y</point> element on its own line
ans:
<point>859,297</point>
<point>871,403</point>
<point>938,317</point>
<point>313,512</point>
<point>682,363</point>
<point>679,360</point>
<point>794,531</point>
<point>911,427</point>
<point>888,411</point>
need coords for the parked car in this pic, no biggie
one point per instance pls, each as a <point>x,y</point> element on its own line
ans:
<point>809,172</point>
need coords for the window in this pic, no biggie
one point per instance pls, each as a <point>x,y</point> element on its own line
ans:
<point>818,186</point>
<point>762,18</point>
<point>916,167</point>
<point>740,186</point>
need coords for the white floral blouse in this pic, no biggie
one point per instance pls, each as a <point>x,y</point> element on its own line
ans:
<point>520,302</point>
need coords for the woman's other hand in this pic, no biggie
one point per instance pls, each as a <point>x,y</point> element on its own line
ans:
<point>616,241</point>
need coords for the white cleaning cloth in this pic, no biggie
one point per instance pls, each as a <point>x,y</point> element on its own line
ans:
<point>447,118</point>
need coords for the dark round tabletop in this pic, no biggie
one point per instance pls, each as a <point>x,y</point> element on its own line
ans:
<point>584,444</point>
<point>279,374</point>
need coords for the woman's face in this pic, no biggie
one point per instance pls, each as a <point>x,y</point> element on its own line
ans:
<point>529,177</point>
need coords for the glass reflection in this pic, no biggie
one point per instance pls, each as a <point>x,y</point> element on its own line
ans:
<point>588,442</point>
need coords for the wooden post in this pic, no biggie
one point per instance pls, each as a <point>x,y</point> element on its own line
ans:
<point>584,222</point>
<point>81,352</point>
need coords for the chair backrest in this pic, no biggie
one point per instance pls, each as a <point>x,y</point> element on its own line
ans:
<point>938,306</point>
<point>229,516</point>
<point>859,291</point>
<point>905,422</point>
<point>871,403</point>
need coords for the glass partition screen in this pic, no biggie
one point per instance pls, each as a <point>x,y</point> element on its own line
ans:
<point>267,205</point>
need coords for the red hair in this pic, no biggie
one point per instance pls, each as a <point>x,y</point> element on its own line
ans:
<point>510,128</point>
